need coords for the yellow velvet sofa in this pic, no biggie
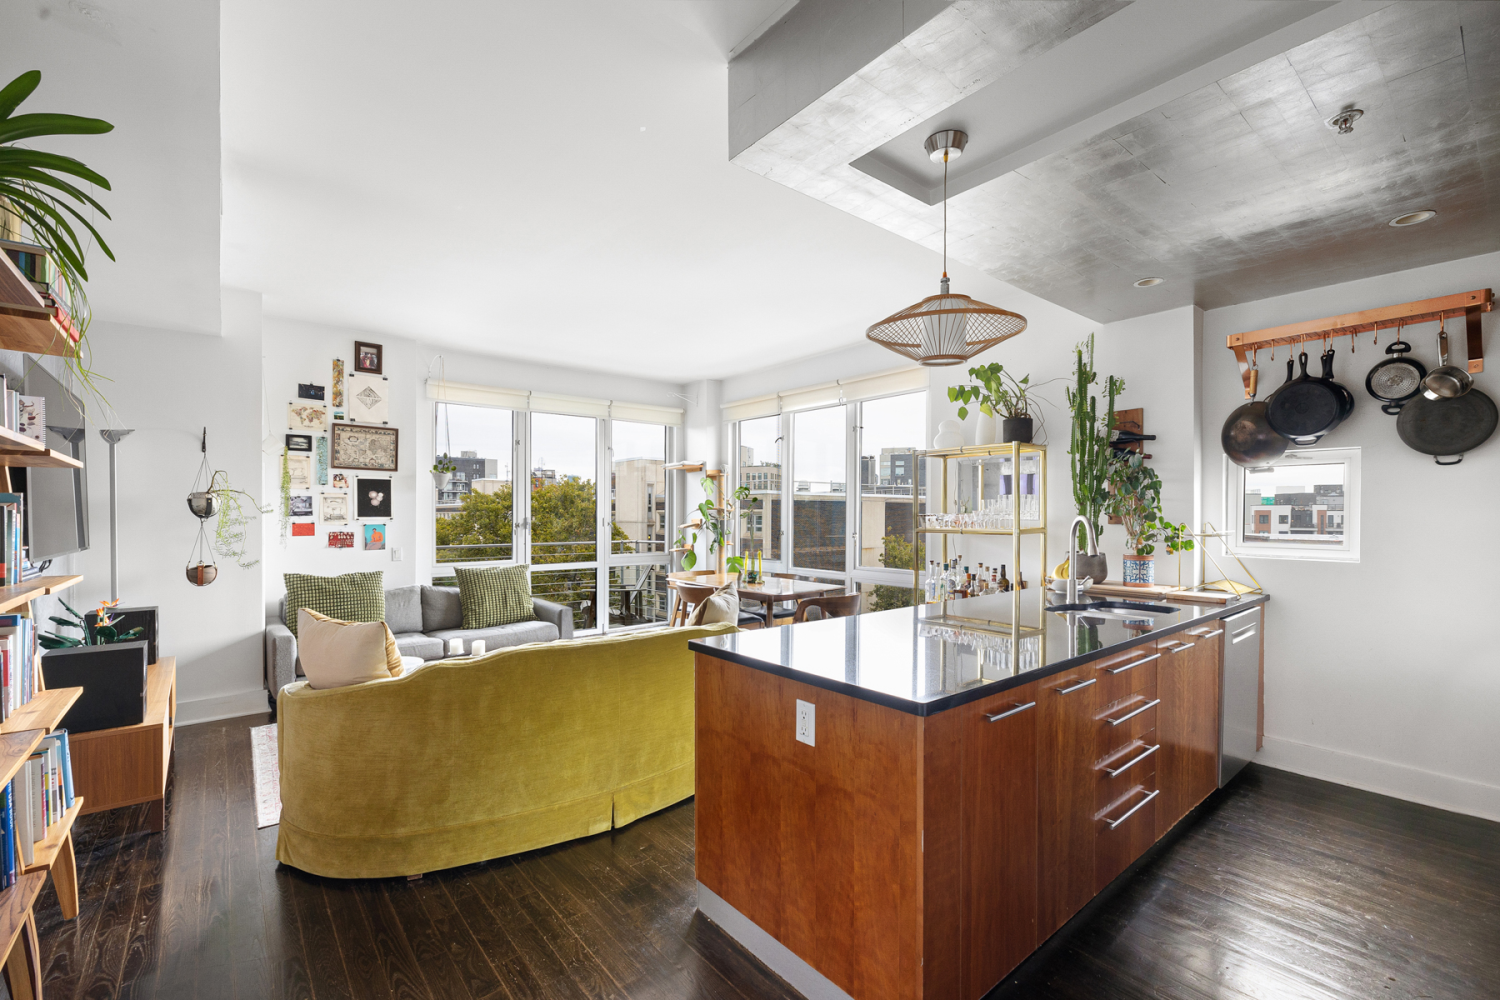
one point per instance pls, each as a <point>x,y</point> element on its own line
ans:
<point>470,759</point>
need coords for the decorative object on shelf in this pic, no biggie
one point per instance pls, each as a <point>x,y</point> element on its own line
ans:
<point>374,537</point>
<point>950,435</point>
<point>320,461</point>
<point>127,625</point>
<point>1138,570</point>
<point>945,329</point>
<point>1247,438</point>
<point>368,358</point>
<point>35,204</point>
<point>301,506</point>
<point>304,528</point>
<point>113,436</point>
<point>306,390</point>
<point>1002,397</point>
<point>336,387</point>
<point>299,471</point>
<point>1135,498</point>
<point>306,416</point>
<point>33,417</point>
<point>1088,448</point>
<point>106,631</point>
<point>442,471</point>
<point>333,508</point>
<point>368,399</point>
<point>373,497</point>
<point>373,449</point>
<point>341,539</point>
<point>299,442</point>
<point>720,519</point>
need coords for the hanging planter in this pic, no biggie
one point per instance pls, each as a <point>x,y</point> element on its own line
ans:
<point>212,496</point>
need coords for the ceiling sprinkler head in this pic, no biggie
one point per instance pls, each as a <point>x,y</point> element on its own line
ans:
<point>1343,122</point>
<point>948,144</point>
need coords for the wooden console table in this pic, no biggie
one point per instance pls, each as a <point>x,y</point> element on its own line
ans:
<point>129,765</point>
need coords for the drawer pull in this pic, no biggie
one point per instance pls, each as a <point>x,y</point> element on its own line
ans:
<point>1135,663</point>
<point>1130,715</point>
<point>1014,711</point>
<point>1078,687</point>
<point>1133,810</point>
<point>1243,634</point>
<point>1115,772</point>
<point>1180,646</point>
<point>1204,634</point>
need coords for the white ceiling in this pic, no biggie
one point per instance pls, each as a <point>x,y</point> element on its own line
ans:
<point>477,175</point>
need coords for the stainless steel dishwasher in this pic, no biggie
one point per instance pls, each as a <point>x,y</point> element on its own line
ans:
<point>1239,692</point>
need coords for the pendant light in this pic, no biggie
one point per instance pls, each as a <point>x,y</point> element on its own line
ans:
<point>946,328</point>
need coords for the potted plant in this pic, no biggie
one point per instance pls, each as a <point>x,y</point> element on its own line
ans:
<point>1000,396</point>
<point>104,633</point>
<point>1135,498</point>
<point>1089,455</point>
<point>442,471</point>
<point>718,521</point>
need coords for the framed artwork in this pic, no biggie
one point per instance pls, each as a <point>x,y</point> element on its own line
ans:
<point>374,537</point>
<point>340,481</point>
<point>299,442</point>
<point>369,402</point>
<point>304,527</point>
<point>320,461</point>
<point>333,508</point>
<point>338,415</point>
<point>306,390</point>
<point>368,358</point>
<point>336,393</point>
<point>373,497</point>
<point>306,416</point>
<point>369,448</point>
<point>300,506</point>
<point>33,417</point>
<point>341,539</point>
<point>299,466</point>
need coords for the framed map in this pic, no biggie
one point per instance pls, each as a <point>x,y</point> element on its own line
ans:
<point>372,448</point>
<point>306,416</point>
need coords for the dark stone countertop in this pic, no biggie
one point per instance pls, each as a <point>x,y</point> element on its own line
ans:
<point>926,659</point>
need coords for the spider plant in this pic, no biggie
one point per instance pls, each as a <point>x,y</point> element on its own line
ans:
<point>38,204</point>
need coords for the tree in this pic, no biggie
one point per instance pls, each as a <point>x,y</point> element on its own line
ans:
<point>483,519</point>
<point>897,553</point>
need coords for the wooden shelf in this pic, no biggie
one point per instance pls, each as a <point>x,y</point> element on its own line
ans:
<point>20,593</point>
<point>1034,530</point>
<point>46,459</point>
<point>15,904</point>
<point>14,749</point>
<point>44,852</point>
<point>685,467</point>
<point>60,582</point>
<point>44,711</point>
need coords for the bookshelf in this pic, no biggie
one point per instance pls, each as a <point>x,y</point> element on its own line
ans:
<point>54,853</point>
<point>23,956</point>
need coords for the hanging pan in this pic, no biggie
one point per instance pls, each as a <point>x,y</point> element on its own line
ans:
<point>1446,381</point>
<point>1396,379</point>
<point>1305,408</point>
<point>1439,427</point>
<point>1346,398</point>
<point>1247,439</point>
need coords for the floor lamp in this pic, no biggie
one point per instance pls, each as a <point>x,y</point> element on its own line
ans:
<point>114,437</point>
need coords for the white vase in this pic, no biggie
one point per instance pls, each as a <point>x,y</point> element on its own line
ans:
<point>950,435</point>
<point>984,430</point>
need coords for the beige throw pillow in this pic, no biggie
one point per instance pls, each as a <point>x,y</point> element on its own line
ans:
<point>721,606</point>
<point>337,653</point>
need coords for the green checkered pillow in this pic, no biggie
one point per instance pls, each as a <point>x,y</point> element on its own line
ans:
<point>495,596</point>
<point>352,597</point>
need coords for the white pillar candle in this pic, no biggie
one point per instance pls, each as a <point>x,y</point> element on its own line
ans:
<point>476,648</point>
<point>455,647</point>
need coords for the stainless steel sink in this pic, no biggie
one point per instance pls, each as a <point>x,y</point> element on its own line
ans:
<point>1120,609</point>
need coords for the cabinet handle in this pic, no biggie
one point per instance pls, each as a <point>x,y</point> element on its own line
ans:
<point>1133,809</point>
<point>1243,634</point>
<point>1014,711</point>
<point>1130,715</point>
<point>1180,646</point>
<point>1203,634</point>
<point>1135,663</point>
<point>1078,687</point>
<point>1117,771</point>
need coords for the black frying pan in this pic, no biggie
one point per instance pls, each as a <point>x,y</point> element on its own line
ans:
<point>1346,398</point>
<point>1305,408</point>
<point>1397,378</point>
<point>1247,439</point>
<point>1439,427</point>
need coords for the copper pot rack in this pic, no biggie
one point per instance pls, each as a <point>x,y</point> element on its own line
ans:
<point>1466,304</point>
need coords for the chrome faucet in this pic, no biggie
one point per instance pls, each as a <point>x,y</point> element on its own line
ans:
<point>1073,553</point>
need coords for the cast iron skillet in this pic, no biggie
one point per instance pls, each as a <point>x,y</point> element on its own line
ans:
<point>1247,439</point>
<point>1305,408</point>
<point>1346,404</point>
<point>1454,426</point>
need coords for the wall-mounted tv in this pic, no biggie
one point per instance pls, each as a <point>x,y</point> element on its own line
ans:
<point>57,500</point>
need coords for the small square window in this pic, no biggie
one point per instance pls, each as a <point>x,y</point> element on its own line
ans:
<point>1304,506</point>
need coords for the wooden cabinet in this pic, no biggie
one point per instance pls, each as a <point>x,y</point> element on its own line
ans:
<point>1066,751</point>
<point>999,837</point>
<point>1188,722</point>
<point>1124,767</point>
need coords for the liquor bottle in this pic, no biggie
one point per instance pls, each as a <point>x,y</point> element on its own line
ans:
<point>929,588</point>
<point>994,587</point>
<point>1004,583</point>
<point>1118,437</point>
<point>1020,580</point>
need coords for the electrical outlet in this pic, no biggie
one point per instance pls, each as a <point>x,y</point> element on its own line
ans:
<point>395,555</point>
<point>807,722</point>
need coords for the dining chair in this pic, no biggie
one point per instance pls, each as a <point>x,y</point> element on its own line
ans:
<point>836,606</point>
<point>689,595</point>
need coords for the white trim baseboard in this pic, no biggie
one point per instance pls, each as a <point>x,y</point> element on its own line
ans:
<point>1402,781</point>
<point>778,957</point>
<point>222,706</point>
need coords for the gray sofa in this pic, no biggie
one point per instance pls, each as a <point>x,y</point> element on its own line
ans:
<point>423,619</point>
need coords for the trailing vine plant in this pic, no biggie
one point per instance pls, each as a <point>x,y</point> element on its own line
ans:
<point>234,518</point>
<point>286,495</point>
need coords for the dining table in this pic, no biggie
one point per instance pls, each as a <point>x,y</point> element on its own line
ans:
<point>769,591</point>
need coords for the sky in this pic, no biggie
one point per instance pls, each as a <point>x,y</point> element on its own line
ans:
<point>561,442</point>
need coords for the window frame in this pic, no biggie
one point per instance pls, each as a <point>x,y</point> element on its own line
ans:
<point>1347,551</point>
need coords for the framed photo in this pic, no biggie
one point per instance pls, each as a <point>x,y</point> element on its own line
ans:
<point>306,416</point>
<point>340,481</point>
<point>370,448</point>
<point>368,401</point>
<point>306,390</point>
<point>341,539</point>
<point>300,506</point>
<point>368,358</point>
<point>299,442</point>
<point>334,508</point>
<point>299,467</point>
<point>373,497</point>
<point>374,537</point>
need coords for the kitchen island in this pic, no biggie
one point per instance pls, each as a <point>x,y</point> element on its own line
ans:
<point>907,803</point>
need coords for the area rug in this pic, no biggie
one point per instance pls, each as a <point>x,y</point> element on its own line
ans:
<point>267,776</point>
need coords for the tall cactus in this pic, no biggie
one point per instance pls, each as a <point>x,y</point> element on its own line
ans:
<point>1088,446</point>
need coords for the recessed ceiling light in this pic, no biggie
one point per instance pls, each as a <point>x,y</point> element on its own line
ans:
<point>1411,218</point>
<point>1148,282</point>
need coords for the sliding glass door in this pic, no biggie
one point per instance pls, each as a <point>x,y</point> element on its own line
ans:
<point>637,559</point>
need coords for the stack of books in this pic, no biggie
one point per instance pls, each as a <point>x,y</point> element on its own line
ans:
<point>12,510</point>
<point>36,799</point>
<point>17,662</point>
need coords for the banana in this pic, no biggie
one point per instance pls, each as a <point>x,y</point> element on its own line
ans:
<point>1060,571</point>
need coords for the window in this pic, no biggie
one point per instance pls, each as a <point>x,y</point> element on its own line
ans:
<point>760,469</point>
<point>820,503</point>
<point>891,432</point>
<point>638,524</point>
<point>1306,506</point>
<point>474,511</point>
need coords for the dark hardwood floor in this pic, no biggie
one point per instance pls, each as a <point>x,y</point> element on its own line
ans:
<point>1283,887</point>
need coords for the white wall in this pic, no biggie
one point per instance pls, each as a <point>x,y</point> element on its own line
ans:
<point>1381,674</point>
